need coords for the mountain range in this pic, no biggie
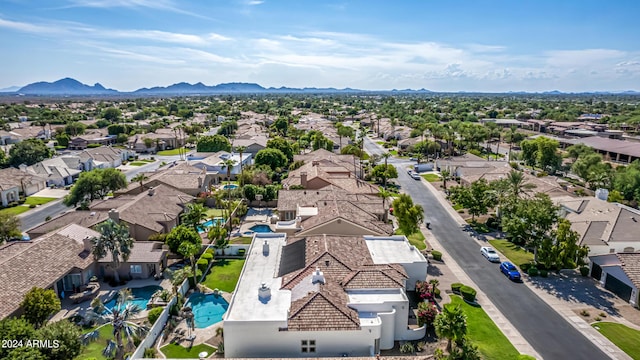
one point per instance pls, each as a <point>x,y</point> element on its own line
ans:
<point>68,86</point>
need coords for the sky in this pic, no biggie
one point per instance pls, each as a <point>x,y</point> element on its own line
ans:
<point>446,45</point>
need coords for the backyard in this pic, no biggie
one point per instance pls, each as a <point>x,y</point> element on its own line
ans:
<point>224,274</point>
<point>94,348</point>
<point>516,254</point>
<point>484,333</point>
<point>174,351</point>
<point>624,337</point>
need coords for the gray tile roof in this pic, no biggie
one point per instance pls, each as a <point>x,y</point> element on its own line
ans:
<point>631,266</point>
<point>142,252</point>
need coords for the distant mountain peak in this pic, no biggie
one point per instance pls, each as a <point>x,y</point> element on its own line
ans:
<point>65,86</point>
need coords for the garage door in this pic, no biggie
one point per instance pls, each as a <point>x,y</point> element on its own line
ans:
<point>596,271</point>
<point>618,287</point>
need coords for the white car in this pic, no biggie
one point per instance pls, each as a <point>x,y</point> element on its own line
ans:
<point>489,253</point>
<point>415,176</point>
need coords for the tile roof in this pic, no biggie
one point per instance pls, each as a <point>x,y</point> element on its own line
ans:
<point>39,263</point>
<point>289,200</point>
<point>325,310</point>
<point>82,218</point>
<point>12,177</point>
<point>331,171</point>
<point>329,211</point>
<point>375,277</point>
<point>631,266</point>
<point>142,252</point>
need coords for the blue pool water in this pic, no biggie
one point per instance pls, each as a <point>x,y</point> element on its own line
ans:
<point>141,297</point>
<point>261,228</point>
<point>207,309</point>
<point>209,223</point>
<point>230,187</point>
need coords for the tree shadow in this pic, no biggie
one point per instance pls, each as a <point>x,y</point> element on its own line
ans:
<point>434,270</point>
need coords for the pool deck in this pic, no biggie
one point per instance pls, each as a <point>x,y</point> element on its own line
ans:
<point>70,309</point>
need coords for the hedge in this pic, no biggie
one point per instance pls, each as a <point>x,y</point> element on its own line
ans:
<point>437,255</point>
<point>154,314</point>
<point>455,287</point>
<point>468,293</point>
<point>198,276</point>
<point>202,264</point>
<point>207,256</point>
<point>544,273</point>
<point>532,271</point>
<point>584,270</point>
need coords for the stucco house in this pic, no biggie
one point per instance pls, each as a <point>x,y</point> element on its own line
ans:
<point>181,176</point>
<point>323,296</point>
<point>318,174</point>
<point>103,157</point>
<point>213,163</point>
<point>15,182</point>
<point>147,259</point>
<point>58,171</point>
<point>619,273</point>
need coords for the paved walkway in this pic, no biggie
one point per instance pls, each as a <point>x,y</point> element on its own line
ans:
<point>560,306</point>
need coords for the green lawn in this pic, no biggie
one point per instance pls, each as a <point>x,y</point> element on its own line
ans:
<point>416,239</point>
<point>138,163</point>
<point>16,210</point>
<point>513,252</point>
<point>211,213</point>
<point>224,274</point>
<point>241,240</point>
<point>172,152</point>
<point>431,177</point>
<point>626,338</point>
<point>38,200</point>
<point>484,333</point>
<point>457,207</point>
<point>380,142</point>
<point>173,351</point>
<point>94,348</point>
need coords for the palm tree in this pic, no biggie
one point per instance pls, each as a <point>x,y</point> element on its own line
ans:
<point>240,150</point>
<point>218,236</point>
<point>512,133</point>
<point>190,250</point>
<point>386,156</point>
<point>115,240</point>
<point>195,214</point>
<point>451,324</point>
<point>120,318</point>
<point>384,194</point>
<point>517,184</point>
<point>229,163</point>
<point>177,277</point>
<point>445,176</point>
<point>141,178</point>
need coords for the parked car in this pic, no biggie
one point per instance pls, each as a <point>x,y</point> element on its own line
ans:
<point>413,159</point>
<point>510,271</point>
<point>490,254</point>
<point>415,176</point>
<point>410,171</point>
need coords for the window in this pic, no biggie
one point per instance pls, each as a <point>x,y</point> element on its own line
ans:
<point>136,269</point>
<point>308,346</point>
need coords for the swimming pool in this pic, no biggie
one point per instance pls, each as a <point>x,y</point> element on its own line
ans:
<point>230,187</point>
<point>141,297</point>
<point>261,228</point>
<point>209,223</point>
<point>207,309</point>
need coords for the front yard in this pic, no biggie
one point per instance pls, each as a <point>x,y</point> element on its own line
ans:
<point>624,337</point>
<point>224,274</point>
<point>513,252</point>
<point>173,152</point>
<point>431,177</point>
<point>416,239</point>
<point>33,200</point>
<point>15,210</point>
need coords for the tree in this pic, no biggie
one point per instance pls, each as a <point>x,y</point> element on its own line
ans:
<point>29,152</point>
<point>561,249</point>
<point>578,150</point>
<point>141,178</point>
<point>9,227</point>
<point>530,221</point>
<point>180,234</point>
<point>541,152</point>
<point>213,143</point>
<point>344,131</point>
<point>409,216</point>
<point>273,158</point>
<point>384,194</point>
<point>383,172</point>
<point>39,304</point>
<point>63,333</point>
<point>477,198</point>
<point>241,150</point>
<point>386,157</point>
<point>217,234</point>
<point>115,241</point>
<point>120,318</point>
<point>75,128</point>
<point>445,176</point>
<point>95,184</point>
<point>15,329</point>
<point>190,250</point>
<point>24,353</point>
<point>193,215</point>
<point>282,145</point>
<point>112,114</point>
<point>451,324</point>
<point>63,139</point>
<point>586,164</point>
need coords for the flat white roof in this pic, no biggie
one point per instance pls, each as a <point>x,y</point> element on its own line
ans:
<point>259,268</point>
<point>357,297</point>
<point>392,250</point>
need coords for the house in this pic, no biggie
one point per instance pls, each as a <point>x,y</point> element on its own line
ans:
<point>350,162</point>
<point>214,163</point>
<point>9,137</point>
<point>103,157</point>
<point>147,259</point>
<point>318,174</point>
<point>323,296</point>
<point>154,211</point>
<point>60,260</point>
<point>14,182</point>
<point>618,273</point>
<point>94,138</point>
<point>604,227</point>
<point>181,176</point>
<point>252,144</point>
<point>58,171</point>
<point>160,140</point>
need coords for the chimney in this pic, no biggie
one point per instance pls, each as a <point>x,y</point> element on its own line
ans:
<point>87,243</point>
<point>152,191</point>
<point>264,292</point>
<point>265,248</point>
<point>199,182</point>
<point>114,215</point>
<point>315,163</point>
<point>303,178</point>
<point>318,277</point>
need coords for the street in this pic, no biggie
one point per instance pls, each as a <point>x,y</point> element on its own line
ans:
<point>548,332</point>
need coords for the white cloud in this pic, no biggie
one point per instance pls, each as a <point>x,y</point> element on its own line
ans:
<point>255,2</point>
<point>164,5</point>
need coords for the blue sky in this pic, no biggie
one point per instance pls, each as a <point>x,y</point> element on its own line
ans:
<point>452,45</point>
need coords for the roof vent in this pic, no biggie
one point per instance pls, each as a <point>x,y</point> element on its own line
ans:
<point>152,191</point>
<point>265,248</point>
<point>318,277</point>
<point>264,292</point>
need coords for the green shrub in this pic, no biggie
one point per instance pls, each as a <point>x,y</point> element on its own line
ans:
<point>241,252</point>
<point>150,353</point>
<point>436,293</point>
<point>468,293</point>
<point>544,273</point>
<point>455,287</point>
<point>210,251</point>
<point>207,256</point>
<point>202,264</point>
<point>584,270</point>
<point>407,348</point>
<point>198,276</point>
<point>32,206</point>
<point>514,165</point>
<point>437,255</point>
<point>532,271</point>
<point>525,266</point>
<point>154,314</point>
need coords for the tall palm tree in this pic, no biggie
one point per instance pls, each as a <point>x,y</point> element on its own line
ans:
<point>114,240</point>
<point>119,317</point>
<point>190,250</point>
<point>386,156</point>
<point>141,178</point>
<point>517,184</point>
<point>512,133</point>
<point>384,194</point>
<point>240,150</point>
<point>451,324</point>
<point>445,176</point>
<point>194,215</point>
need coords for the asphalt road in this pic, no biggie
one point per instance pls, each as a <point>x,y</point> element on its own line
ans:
<point>34,218</point>
<point>548,332</point>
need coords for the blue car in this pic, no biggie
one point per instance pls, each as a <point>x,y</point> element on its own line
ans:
<point>510,271</point>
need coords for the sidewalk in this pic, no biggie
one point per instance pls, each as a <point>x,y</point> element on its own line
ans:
<point>503,323</point>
